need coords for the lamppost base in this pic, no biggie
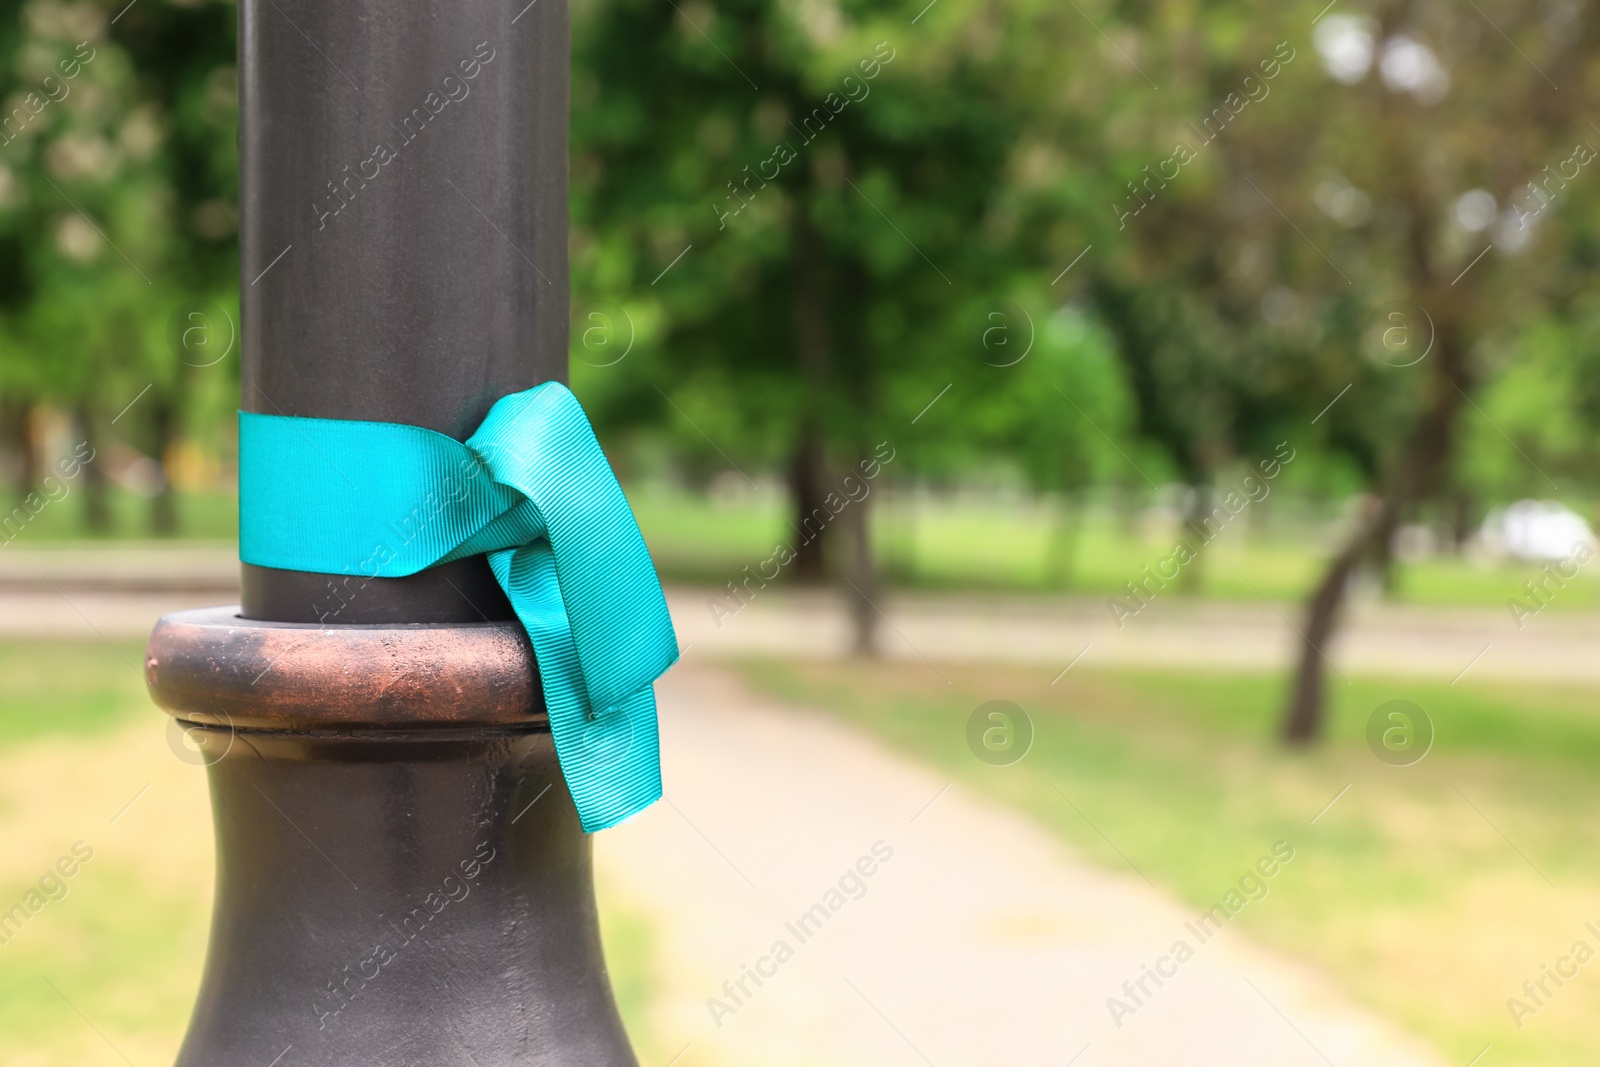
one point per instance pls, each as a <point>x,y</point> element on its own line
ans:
<point>401,876</point>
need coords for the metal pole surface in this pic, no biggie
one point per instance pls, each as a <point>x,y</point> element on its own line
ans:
<point>403,239</point>
<point>401,878</point>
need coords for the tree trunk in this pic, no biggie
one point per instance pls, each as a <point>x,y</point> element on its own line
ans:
<point>1416,471</point>
<point>1128,508</point>
<point>1461,514</point>
<point>808,487</point>
<point>1303,723</point>
<point>163,506</point>
<point>813,347</point>
<point>1061,556</point>
<point>1190,578</point>
<point>96,504</point>
<point>18,420</point>
<point>1381,559</point>
<point>1258,519</point>
<point>864,592</point>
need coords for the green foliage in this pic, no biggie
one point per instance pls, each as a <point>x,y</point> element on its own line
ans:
<point>118,211</point>
<point>836,181</point>
<point>838,223</point>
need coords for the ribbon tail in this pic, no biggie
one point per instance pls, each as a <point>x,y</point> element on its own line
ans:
<point>611,757</point>
<point>540,443</point>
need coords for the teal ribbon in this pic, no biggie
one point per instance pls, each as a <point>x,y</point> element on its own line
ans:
<point>532,489</point>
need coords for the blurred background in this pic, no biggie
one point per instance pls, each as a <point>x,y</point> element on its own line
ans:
<point>1163,433</point>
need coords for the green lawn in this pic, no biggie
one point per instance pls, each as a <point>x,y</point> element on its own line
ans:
<point>208,516</point>
<point>1401,891</point>
<point>67,688</point>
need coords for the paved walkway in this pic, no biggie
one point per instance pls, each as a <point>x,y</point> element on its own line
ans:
<point>980,941</point>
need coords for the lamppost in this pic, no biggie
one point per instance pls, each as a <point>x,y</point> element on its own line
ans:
<point>401,875</point>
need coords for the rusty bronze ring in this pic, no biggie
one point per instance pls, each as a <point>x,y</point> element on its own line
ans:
<point>202,666</point>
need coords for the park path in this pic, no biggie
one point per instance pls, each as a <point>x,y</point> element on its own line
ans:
<point>982,940</point>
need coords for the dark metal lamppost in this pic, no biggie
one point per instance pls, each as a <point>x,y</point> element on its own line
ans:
<point>401,876</point>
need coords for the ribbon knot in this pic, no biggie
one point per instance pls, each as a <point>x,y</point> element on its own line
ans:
<point>532,490</point>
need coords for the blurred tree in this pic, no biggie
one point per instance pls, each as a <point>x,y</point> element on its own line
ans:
<point>118,192</point>
<point>1183,361</point>
<point>1340,304</point>
<point>820,191</point>
<point>182,55</point>
<point>1446,149</point>
<point>1062,412</point>
<point>1158,238</point>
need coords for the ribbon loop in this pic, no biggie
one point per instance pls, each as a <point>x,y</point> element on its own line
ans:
<point>531,489</point>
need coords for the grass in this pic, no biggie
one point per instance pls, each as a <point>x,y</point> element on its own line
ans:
<point>1429,892</point>
<point>107,973</point>
<point>208,516</point>
<point>54,688</point>
<point>125,953</point>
